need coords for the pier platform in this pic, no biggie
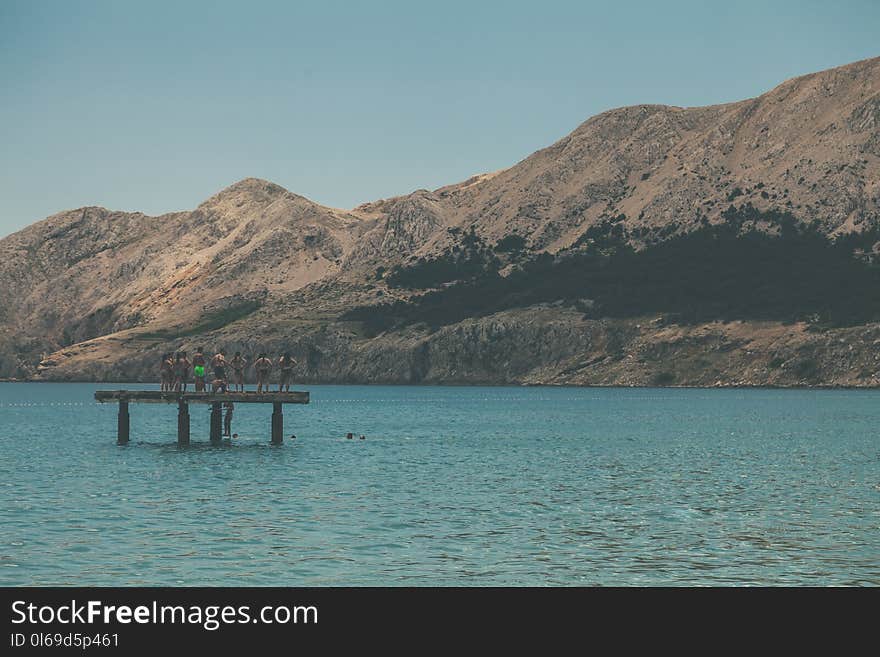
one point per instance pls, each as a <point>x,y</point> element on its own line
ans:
<point>184,399</point>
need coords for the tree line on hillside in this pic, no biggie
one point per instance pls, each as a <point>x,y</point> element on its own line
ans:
<point>755,265</point>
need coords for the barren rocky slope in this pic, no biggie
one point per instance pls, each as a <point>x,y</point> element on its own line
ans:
<point>95,294</point>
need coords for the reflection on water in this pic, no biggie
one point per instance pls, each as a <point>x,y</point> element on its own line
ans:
<point>473,486</point>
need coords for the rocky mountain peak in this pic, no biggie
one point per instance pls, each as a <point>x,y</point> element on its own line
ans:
<point>251,193</point>
<point>807,151</point>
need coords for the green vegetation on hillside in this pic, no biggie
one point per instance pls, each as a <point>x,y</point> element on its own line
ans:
<point>209,322</point>
<point>755,265</point>
<point>468,258</point>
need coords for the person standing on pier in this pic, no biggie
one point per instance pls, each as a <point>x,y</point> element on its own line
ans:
<point>286,363</point>
<point>166,373</point>
<point>262,366</point>
<point>238,363</point>
<point>219,382</point>
<point>199,369</point>
<point>181,372</point>
<point>218,362</point>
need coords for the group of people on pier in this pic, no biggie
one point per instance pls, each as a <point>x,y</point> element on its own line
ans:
<point>177,370</point>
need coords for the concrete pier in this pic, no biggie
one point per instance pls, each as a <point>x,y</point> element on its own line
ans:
<point>182,423</point>
<point>216,422</point>
<point>123,423</point>
<point>184,399</point>
<point>277,424</point>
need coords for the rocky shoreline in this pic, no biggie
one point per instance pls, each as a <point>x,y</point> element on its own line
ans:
<point>552,346</point>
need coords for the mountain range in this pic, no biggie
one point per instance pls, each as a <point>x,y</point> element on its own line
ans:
<point>726,245</point>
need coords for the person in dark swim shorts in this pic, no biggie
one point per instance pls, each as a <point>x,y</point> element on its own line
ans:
<point>218,362</point>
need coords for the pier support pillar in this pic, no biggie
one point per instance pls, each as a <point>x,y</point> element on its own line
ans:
<point>216,422</point>
<point>277,424</point>
<point>182,423</point>
<point>122,424</point>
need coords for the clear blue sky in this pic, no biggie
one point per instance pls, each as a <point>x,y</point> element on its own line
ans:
<point>156,105</point>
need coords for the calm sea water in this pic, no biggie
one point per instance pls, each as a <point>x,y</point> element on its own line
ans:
<point>453,486</point>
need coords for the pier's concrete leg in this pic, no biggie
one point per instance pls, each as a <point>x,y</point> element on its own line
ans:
<point>277,424</point>
<point>182,423</point>
<point>216,423</point>
<point>122,424</point>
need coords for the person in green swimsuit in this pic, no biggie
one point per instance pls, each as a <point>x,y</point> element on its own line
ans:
<point>198,362</point>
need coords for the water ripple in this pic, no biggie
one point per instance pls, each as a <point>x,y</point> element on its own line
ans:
<point>472,486</point>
